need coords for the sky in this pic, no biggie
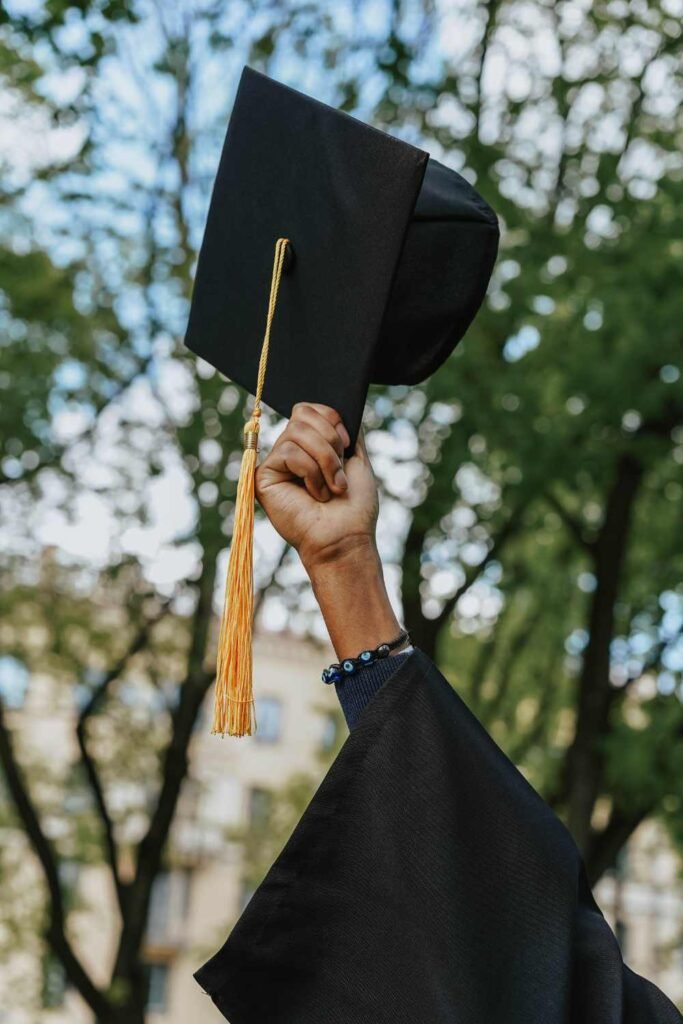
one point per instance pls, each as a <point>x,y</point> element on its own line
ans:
<point>91,533</point>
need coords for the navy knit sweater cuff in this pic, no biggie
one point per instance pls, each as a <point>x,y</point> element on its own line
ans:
<point>355,692</point>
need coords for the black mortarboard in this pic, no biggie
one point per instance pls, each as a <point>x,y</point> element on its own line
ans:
<point>392,254</point>
<point>378,258</point>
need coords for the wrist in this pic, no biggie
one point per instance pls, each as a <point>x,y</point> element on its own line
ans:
<point>353,600</point>
<point>355,552</point>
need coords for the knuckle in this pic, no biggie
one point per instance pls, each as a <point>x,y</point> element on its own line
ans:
<point>336,442</point>
<point>296,429</point>
<point>330,460</point>
<point>288,447</point>
<point>328,412</point>
<point>288,431</point>
<point>329,433</point>
<point>295,457</point>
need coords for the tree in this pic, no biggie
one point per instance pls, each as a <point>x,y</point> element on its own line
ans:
<point>531,488</point>
<point>567,397</point>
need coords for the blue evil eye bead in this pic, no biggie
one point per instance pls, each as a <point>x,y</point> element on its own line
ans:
<point>335,676</point>
<point>383,650</point>
<point>365,656</point>
<point>348,667</point>
<point>326,676</point>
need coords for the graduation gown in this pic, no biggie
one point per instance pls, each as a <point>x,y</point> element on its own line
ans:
<point>426,883</point>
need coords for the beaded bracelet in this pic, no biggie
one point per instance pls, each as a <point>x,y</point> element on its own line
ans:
<point>335,673</point>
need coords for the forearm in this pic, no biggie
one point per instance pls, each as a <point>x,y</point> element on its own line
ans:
<point>353,600</point>
<point>350,590</point>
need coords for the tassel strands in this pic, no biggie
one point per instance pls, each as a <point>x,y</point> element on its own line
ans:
<point>234,698</point>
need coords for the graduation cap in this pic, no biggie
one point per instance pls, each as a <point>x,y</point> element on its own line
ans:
<point>364,259</point>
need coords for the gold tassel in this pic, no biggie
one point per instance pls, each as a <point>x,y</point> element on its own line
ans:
<point>234,700</point>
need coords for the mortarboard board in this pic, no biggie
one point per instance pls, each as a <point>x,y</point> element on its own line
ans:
<point>392,254</point>
<point>377,258</point>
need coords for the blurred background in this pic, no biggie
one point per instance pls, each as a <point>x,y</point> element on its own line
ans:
<point>532,491</point>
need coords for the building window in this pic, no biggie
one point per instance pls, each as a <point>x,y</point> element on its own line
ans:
<point>13,681</point>
<point>168,907</point>
<point>54,983</point>
<point>157,987</point>
<point>330,732</point>
<point>159,908</point>
<point>622,862</point>
<point>69,873</point>
<point>269,719</point>
<point>260,806</point>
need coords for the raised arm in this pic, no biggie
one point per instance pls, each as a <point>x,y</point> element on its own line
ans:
<point>426,881</point>
<point>327,510</point>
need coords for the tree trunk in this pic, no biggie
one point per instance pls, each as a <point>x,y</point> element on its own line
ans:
<point>127,965</point>
<point>124,1015</point>
<point>423,632</point>
<point>585,758</point>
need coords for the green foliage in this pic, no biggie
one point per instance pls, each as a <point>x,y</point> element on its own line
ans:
<point>537,477</point>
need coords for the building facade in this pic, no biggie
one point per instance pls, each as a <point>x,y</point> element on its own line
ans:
<point>208,882</point>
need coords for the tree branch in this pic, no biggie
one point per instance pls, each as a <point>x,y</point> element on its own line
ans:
<point>607,844</point>
<point>661,426</point>
<point>425,631</point>
<point>489,27</point>
<point>94,703</point>
<point>58,453</point>
<point>175,765</point>
<point>573,524</point>
<point>499,541</point>
<point>585,756</point>
<point>539,726</point>
<point>624,821</point>
<point>48,859</point>
<point>486,657</point>
<point>263,590</point>
<point>515,649</point>
<point>564,109</point>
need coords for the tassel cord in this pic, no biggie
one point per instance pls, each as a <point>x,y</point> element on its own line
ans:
<point>234,700</point>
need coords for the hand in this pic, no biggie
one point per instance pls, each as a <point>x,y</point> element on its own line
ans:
<point>320,506</point>
<point>328,512</point>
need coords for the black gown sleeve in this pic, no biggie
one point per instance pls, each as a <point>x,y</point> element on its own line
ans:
<point>355,692</point>
<point>426,883</point>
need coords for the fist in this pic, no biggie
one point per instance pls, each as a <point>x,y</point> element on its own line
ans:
<point>319,504</point>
